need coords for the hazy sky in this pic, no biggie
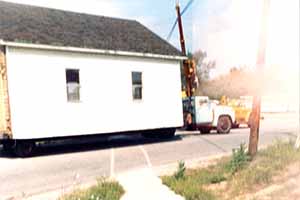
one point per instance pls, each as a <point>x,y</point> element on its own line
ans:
<point>229,32</point>
<point>226,29</point>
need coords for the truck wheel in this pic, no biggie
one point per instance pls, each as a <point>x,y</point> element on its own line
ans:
<point>236,125</point>
<point>24,148</point>
<point>224,124</point>
<point>204,130</point>
<point>188,122</point>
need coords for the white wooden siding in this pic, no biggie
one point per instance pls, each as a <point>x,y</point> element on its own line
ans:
<point>38,97</point>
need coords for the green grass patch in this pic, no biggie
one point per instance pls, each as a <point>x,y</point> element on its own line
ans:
<point>267,164</point>
<point>237,173</point>
<point>104,190</point>
<point>191,184</point>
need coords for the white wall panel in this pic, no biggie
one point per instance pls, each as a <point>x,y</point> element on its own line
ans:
<point>39,107</point>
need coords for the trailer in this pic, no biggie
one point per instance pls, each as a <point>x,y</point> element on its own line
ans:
<point>65,74</point>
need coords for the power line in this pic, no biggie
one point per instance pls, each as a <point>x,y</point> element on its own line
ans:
<point>176,21</point>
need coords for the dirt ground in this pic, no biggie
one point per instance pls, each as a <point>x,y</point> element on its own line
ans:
<point>286,186</point>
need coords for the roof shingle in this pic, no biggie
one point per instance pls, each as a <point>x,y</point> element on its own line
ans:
<point>37,25</point>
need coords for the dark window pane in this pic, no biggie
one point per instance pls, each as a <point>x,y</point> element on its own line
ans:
<point>72,76</point>
<point>137,78</point>
<point>137,93</point>
<point>137,87</point>
<point>73,86</point>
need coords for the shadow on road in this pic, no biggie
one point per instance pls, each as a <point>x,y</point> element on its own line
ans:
<point>212,133</point>
<point>91,143</point>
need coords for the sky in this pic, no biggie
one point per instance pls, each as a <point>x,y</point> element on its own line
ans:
<point>227,30</point>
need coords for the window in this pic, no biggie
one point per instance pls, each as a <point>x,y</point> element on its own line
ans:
<point>73,85</point>
<point>137,85</point>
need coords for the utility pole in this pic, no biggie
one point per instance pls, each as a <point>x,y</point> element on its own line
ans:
<point>186,63</point>
<point>181,35</point>
<point>297,144</point>
<point>260,62</point>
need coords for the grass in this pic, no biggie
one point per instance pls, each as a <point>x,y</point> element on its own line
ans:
<point>104,190</point>
<point>268,163</point>
<point>234,176</point>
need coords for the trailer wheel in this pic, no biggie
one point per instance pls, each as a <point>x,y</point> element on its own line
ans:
<point>167,133</point>
<point>224,124</point>
<point>8,146</point>
<point>24,148</point>
<point>204,130</point>
<point>160,133</point>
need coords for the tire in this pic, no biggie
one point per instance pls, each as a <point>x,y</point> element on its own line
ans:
<point>24,148</point>
<point>190,127</point>
<point>204,130</point>
<point>188,122</point>
<point>167,133</point>
<point>236,125</point>
<point>224,125</point>
<point>160,133</point>
<point>8,146</point>
<point>148,135</point>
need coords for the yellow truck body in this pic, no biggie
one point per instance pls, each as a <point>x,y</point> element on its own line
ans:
<point>241,108</point>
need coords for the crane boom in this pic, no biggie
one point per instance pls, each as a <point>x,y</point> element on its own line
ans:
<point>182,42</point>
<point>189,64</point>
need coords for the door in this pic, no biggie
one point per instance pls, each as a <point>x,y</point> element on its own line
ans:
<point>204,110</point>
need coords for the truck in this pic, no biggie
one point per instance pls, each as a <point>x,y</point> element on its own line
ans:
<point>242,107</point>
<point>205,115</point>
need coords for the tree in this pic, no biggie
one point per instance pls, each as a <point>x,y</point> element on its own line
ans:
<point>238,82</point>
<point>204,66</point>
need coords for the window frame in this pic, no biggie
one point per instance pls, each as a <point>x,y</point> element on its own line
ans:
<point>78,86</point>
<point>135,85</point>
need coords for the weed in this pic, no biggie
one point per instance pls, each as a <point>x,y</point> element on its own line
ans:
<point>102,191</point>
<point>239,159</point>
<point>241,175</point>
<point>218,178</point>
<point>188,188</point>
<point>180,173</point>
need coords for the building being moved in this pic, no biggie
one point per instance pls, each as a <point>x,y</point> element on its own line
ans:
<point>68,74</point>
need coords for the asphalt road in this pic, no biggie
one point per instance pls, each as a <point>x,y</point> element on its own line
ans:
<point>56,166</point>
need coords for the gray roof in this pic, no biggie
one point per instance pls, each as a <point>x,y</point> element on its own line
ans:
<point>37,25</point>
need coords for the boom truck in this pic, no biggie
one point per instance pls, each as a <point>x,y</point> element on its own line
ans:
<point>199,112</point>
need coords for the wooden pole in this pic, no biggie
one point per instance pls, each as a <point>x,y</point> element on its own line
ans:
<point>297,145</point>
<point>254,129</point>
<point>181,35</point>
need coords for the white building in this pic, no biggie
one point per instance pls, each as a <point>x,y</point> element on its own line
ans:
<point>69,74</point>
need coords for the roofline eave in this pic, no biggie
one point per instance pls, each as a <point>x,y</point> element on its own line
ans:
<point>93,51</point>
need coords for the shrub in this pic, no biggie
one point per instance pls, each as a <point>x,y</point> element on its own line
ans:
<point>239,159</point>
<point>218,178</point>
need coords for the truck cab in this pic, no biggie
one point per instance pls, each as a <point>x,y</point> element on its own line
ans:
<point>205,115</point>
